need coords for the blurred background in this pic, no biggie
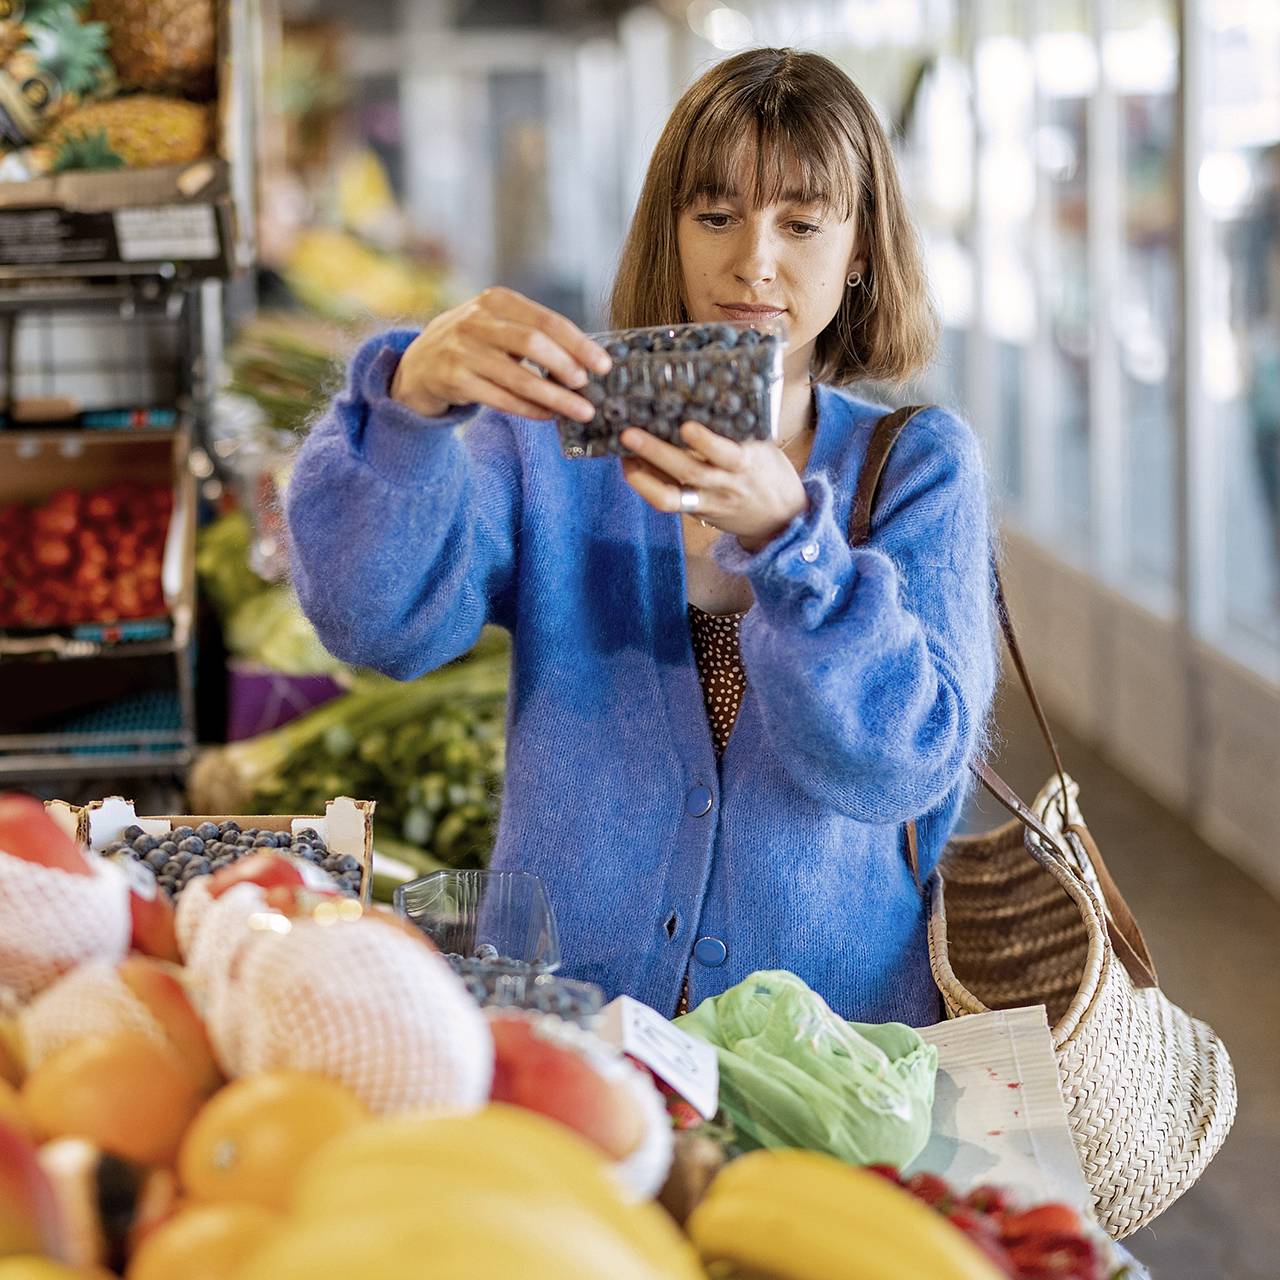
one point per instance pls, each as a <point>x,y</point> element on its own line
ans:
<point>1097,183</point>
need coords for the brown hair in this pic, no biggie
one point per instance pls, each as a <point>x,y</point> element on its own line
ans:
<point>801,108</point>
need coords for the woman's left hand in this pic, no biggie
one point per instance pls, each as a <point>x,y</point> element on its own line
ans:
<point>748,489</point>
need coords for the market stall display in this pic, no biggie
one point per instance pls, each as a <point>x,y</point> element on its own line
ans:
<point>316,1073</point>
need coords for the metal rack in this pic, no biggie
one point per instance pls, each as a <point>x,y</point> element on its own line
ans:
<point>111,341</point>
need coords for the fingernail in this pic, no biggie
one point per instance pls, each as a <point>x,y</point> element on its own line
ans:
<point>601,360</point>
<point>578,378</point>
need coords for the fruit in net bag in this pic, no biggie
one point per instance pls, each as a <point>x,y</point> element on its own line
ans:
<point>365,1001</point>
<point>139,994</point>
<point>58,908</point>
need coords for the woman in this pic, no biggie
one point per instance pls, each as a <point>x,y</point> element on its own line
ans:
<point>679,857</point>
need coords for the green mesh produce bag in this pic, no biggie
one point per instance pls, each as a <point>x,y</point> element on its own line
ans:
<point>793,1074</point>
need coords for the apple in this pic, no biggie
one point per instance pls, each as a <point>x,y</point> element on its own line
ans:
<point>27,832</point>
<point>533,1072</point>
<point>264,869</point>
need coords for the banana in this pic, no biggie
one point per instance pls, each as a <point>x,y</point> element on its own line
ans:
<point>501,1150</point>
<point>800,1215</point>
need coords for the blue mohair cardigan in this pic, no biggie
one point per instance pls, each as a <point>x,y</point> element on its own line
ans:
<point>870,674</point>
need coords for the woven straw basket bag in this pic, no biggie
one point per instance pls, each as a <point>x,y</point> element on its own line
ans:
<point>1028,914</point>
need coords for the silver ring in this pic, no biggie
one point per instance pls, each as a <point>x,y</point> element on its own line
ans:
<point>690,499</point>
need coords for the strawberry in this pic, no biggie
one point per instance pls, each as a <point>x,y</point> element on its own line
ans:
<point>886,1171</point>
<point>1044,1219</point>
<point>27,832</point>
<point>989,1199</point>
<point>931,1189</point>
<point>1055,1257</point>
<point>983,1233</point>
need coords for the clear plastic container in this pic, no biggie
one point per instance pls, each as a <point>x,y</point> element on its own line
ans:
<point>496,919</point>
<point>727,376</point>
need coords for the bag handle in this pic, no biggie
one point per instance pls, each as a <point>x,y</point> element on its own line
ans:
<point>1126,936</point>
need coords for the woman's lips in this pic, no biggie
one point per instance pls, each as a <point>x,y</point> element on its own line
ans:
<point>744,312</point>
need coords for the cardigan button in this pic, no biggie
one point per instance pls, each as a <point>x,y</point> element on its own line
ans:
<point>698,801</point>
<point>710,952</point>
<point>809,552</point>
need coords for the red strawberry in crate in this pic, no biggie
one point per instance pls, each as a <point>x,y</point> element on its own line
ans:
<point>982,1231</point>
<point>1055,1257</point>
<point>931,1189</point>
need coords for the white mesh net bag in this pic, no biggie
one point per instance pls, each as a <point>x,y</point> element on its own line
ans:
<point>363,1002</point>
<point>52,920</point>
<point>90,1000</point>
<point>194,900</point>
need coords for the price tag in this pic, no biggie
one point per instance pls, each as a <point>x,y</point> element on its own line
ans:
<point>187,232</point>
<point>688,1065</point>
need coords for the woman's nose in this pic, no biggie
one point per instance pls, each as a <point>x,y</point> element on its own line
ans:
<point>755,264</point>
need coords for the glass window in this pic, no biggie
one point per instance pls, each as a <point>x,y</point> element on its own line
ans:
<point>1239,183</point>
<point>1067,71</point>
<point>1005,104</point>
<point>1140,61</point>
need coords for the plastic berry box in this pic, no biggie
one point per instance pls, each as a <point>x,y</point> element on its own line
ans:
<point>727,376</point>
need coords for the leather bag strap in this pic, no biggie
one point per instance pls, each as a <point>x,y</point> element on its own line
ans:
<point>1126,936</point>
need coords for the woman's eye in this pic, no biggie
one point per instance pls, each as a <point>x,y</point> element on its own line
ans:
<point>716,221</point>
<point>805,229</point>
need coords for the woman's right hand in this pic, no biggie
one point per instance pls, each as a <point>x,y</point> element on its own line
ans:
<point>471,355</point>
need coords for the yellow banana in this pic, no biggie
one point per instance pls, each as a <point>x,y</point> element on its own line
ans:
<point>408,1163</point>
<point>799,1215</point>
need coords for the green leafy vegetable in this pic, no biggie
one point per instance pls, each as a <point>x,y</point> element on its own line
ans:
<point>793,1074</point>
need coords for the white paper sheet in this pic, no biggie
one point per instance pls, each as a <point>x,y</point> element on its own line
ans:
<point>998,1113</point>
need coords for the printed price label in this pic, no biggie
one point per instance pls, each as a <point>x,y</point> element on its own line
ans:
<point>179,231</point>
<point>688,1065</point>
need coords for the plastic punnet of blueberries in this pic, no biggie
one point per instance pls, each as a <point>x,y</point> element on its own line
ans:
<point>185,853</point>
<point>726,376</point>
<point>496,981</point>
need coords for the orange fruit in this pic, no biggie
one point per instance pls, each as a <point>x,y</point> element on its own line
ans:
<point>11,1109</point>
<point>10,1052</point>
<point>252,1138</point>
<point>130,1095</point>
<point>206,1242</point>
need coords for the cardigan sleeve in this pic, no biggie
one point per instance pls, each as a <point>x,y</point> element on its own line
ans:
<point>874,667</point>
<point>403,530</point>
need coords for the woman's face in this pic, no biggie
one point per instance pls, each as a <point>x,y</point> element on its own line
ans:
<point>790,258</point>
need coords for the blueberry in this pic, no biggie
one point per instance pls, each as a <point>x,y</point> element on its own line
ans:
<point>485,951</point>
<point>746,421</point>
<point>724,335</point>
<point>615,409</point>
<point>640,410</point>
<point>145,843</point>
<point>207,831</point>
<point>181,833</point>
<point>722,376</point>
<point>169,846</point>
<point>171,869</point>
<point>728,402</point>
<point>244,840</point>
<point>192,844</point>
<point>616,350</point>
<point>639,340</point>
<point>748,338</point>
<point>131,833</point>
<point>284,840</point>
<point>703,393</point>
<point>156,859</point>
<point>229,828</point>
<point>309,834</point>
<point>348,863</point>
<point>197,869</point>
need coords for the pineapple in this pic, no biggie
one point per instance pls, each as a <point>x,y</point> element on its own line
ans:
<point>139,132</point>
<point>59,63</point>
<point>162,46</point>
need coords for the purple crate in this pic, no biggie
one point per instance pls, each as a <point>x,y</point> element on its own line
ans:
<point>259,699</point>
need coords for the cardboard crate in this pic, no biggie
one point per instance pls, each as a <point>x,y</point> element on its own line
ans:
<point>346,826</point>
<point>33,468</point>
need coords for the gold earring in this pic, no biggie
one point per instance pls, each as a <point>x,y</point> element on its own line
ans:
<point>854,279</point>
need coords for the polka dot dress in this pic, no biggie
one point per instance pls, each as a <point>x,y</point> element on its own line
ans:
<point>724,679</point>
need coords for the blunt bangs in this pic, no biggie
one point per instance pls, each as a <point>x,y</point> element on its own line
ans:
<point>796,156</point>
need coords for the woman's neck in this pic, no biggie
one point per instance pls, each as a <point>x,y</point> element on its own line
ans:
<point>796,416</point>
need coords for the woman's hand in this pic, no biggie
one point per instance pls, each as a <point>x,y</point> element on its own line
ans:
<point>749,489</point>
<point>471,355</point>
